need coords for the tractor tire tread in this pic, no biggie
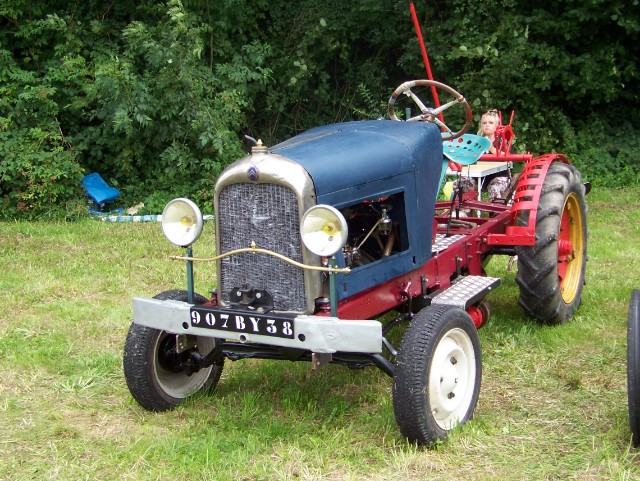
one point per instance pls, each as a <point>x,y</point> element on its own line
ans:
<point>540,294</point>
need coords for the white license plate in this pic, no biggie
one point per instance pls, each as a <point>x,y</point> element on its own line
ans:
<point>242,321</point>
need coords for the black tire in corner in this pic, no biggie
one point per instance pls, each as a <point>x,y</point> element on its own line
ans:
<point>155,372</point>
<point>633,366</point>
<point>551,273</point>
<point>438,374</point>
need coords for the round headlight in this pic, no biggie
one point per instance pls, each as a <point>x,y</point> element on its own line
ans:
<point>182,222</point>
<point>324,230</point>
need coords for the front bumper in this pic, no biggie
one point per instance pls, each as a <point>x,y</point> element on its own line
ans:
<point>319,334</point>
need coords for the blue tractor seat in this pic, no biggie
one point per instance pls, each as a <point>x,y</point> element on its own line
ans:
<point>465,150</point>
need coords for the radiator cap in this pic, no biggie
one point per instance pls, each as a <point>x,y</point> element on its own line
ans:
<point>259,148</point>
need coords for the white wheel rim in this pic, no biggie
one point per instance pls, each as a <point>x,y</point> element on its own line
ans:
<point>177,384</point>
<point>452,379</point>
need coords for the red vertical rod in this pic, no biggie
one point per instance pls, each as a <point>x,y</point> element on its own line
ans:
<point>425,58</point>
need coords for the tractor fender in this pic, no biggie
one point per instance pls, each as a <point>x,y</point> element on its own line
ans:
<point>525,202</point>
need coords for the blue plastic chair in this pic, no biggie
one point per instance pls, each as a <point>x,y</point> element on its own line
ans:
<point>98,190</point>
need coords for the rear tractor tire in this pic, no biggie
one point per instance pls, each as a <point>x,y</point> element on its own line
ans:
<point>551,273</point>
<point>156,373</point>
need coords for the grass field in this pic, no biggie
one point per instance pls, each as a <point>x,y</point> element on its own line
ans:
<point>553,403</point>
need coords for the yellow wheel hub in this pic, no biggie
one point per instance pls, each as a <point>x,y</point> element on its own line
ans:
<point>571,248</point>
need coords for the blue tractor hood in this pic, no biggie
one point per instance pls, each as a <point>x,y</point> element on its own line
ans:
<point>341,157</point>
<point>360,161</point>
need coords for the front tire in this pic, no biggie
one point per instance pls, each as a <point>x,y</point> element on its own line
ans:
<point>633,366</point>
<point>155,372</point>
<point>438,374</point>
<point>551,272</point>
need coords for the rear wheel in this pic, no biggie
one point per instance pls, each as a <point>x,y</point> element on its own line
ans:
<point>633,366</point>
<point>551,272</point>
<point>438,373</point>
<point>156,373</point>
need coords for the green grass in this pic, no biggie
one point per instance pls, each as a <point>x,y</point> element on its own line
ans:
<point>553,403</point>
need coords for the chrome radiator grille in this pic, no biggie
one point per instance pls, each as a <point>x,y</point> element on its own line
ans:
<point>268,215</point>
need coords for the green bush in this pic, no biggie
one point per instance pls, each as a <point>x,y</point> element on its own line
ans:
<point>40,176</point>
<point>606,158</point>
<point>157,97</point>
<point>39,173</point>
<point>170,119</point>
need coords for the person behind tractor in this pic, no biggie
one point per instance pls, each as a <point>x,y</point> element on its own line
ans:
<point>498,185</point>
<point>488,125</point>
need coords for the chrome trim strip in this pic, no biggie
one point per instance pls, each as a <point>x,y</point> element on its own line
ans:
<point>253,248</point>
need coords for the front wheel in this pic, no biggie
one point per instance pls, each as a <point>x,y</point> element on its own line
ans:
<point>438,374</point>
<point>633,366</point>
<point>156,373</point>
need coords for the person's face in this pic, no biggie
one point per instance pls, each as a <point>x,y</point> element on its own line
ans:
<point>488,125</point>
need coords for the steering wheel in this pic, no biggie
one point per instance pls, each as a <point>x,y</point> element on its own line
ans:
<point>428,114</point>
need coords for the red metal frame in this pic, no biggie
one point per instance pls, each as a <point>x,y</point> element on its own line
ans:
<point>505,158</point>
<point>464,255</point>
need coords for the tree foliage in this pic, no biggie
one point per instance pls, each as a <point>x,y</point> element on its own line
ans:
<point>157,96</point>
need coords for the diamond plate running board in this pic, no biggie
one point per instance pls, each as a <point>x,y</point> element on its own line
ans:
<point>442,242</point>
<point>467,291</point>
